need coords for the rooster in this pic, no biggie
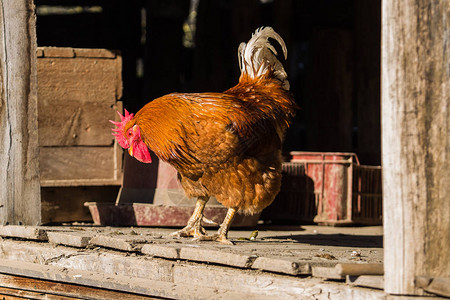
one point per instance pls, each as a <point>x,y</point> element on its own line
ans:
<point>226,145</point>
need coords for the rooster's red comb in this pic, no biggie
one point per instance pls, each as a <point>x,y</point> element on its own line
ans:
<point>119,134</point>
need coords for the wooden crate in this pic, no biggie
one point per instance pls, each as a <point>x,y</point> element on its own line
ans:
<point>78,92</point>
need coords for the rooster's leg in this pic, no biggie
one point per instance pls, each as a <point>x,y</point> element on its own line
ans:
<point>222,234</point>
<point>194,226</point>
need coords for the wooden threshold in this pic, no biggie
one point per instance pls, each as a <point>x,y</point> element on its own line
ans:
<point>19,287</point>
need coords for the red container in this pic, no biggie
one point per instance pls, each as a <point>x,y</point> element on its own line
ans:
<point>151,195</point>
<point>145,214</point>
<point>329,189</point>
<point>332,177</point>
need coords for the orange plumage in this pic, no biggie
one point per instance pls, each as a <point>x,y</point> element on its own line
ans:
<point>226,145</point>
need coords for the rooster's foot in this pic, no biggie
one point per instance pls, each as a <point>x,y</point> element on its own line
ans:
<point>217,238</point>
<point>195,231</point>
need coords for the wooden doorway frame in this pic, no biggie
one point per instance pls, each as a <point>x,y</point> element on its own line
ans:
<point>20,201</point>
<point>415,133</point>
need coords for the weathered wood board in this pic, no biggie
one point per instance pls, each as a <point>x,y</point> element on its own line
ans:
<point>119,242</point>
<point>78,93</point>
<point>23,232</point>
<point>372,281</point>
<point>33,288</point>
<point>439,285</point>
<point>77,163</point>
<point>77,96</point>
<point>216,257</point>
<point>416,145</point>
<point>74,239</point>
<point>19,171</point>
<point>268,266</point>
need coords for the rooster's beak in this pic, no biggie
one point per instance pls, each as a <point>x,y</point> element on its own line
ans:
<point>130,150</point>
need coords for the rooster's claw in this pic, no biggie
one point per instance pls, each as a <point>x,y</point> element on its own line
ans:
<point>194,231</point>
<point>217,238</point>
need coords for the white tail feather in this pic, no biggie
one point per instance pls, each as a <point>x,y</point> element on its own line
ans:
<point>258,55</point>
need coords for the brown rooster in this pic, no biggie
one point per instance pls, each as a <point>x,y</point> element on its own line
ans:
<point>226,145</point>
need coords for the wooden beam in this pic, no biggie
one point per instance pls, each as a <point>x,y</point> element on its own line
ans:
<point>30,288</point>
<point>371,281</point>
<point>439,286</point>
<point>339,271</point>
<point>415,139</point>
<point>19,154</point>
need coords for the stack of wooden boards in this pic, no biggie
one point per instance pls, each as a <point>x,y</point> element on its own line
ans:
<point>78,92</point>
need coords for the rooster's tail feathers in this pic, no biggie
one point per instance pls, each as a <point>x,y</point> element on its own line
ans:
<point>258,56</point>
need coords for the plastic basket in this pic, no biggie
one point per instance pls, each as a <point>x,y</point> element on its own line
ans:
<point>328,188</point>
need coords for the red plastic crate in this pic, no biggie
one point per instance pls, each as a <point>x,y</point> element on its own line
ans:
<point>328,188</point>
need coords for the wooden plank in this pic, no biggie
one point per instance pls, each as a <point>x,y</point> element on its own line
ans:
<point>204,255</point>
<point>152,276</point>
<point>416,144</point>
<point>128,284</point>
<point>95,53</point>
<point>327,272</point>
<point>281,266</point>
<point>23,232</point>
<point>74,163</point>
<point>75,52</point>
<point>71,123</point>
<point>103,262</point>
<point>359,269</point>
<point>267,286</point>
<point>76,100</point>
<point>216,257</point>
<point>163,251</point>
<point>439,285</point>
<point>113,162</point>
<point>19,174</point>
<point>65,52</point>
<point>74,239</point>
<point>339,271</point>
<point>24,294</point>
<point>119,242</point>
<point>39,52</point>
<point>80,182</point>
<point>371,281</point>
<point>30,288</point>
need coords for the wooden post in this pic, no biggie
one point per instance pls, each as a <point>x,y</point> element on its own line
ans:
<point>416,141</point>
<point>19,159</point>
